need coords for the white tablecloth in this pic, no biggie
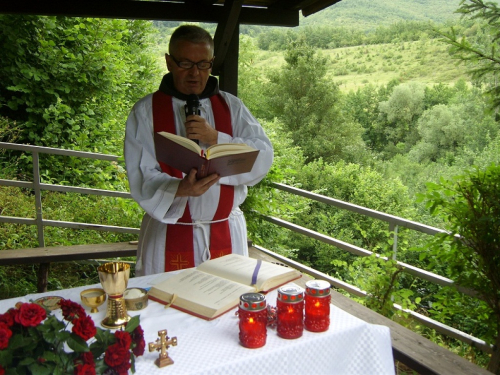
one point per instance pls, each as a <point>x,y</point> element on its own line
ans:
<point>350,346</point>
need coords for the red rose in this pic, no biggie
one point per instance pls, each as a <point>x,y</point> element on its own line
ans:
<point>115,355</point>
<point>123,368</point>
<point>2,371</point>
<point>138,339</point>
<point>5,334</point>
<point>71,310</point>
<point>7,318</point>
<point>123,339</point>
<point>84,369</point>
<point>139,348</point>
<point>13,313</point>
<point>87,358</point>
<point>84,327</point>
<point>84,364</point>
<point>30,315</point>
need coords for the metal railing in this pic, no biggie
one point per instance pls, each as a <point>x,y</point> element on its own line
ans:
<point>393,222</point>
<point>38,186</point>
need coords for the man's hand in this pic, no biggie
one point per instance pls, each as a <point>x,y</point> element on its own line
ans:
<point>198,128</point>
<point>190,187</point>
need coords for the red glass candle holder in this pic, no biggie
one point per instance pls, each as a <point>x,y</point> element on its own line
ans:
<point>252,314</point>
<point>317,306</point>
<point>290,312</point>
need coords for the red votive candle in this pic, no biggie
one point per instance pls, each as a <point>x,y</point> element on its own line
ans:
<point>290,312</point>
<point>317,306</point>
<point>252,313</point>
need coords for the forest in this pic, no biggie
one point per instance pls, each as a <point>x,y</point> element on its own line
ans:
<point>399,115</point>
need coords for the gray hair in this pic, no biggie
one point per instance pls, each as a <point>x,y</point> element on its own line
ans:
<point>190,33</point>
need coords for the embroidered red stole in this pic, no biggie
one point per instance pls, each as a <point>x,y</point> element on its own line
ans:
<point>179,247</point>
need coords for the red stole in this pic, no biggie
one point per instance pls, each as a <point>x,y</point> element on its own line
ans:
<point>179,247</point>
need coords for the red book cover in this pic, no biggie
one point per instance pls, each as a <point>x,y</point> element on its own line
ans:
<point>184,159</point>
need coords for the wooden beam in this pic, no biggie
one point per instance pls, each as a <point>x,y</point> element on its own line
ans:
<point>228,76</point>
<point>67,253</point>
<point>308,6</point>
<point>148,10</point>
<point>317,6</point>
<point>46,255</point>
<point>225,32</point>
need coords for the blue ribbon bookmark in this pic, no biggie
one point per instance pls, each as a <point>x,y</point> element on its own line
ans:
<point>256,272</point>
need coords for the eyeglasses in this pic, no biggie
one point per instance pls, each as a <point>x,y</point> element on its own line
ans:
<point>202,65</point>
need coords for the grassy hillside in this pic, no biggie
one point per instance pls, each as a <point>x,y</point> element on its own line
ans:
<point>368,14</point>
<point>354,67</point>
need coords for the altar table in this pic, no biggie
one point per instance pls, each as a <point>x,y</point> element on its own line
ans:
<point>351,346</point>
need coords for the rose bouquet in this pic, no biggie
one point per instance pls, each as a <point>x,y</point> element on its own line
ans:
<point>32,341</point>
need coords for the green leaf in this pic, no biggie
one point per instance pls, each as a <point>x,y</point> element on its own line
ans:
<point>39,369</point>
<point>77,344</point>
<point>50,356</point>
<point>19,341</point>
<point>132,324</point>
<point>27,361</point>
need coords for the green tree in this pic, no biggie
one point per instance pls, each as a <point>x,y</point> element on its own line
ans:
<point>439,94</point>
<point>311,107</point>
<point>363,105</point>
<point>480,54</point>
<point>355,184</point>
<point>250,81</point>
<point>446,130</point>
<point>471,249</point>
<point>70,82</point>
<point>263,199</point>
<point>401,111</point>
<point>275,39</point>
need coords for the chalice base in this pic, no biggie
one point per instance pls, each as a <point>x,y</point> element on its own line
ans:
<point>116,315</point>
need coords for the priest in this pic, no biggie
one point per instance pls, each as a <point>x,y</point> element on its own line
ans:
<point>188,221</point>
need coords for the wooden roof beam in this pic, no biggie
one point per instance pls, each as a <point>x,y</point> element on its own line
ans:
<point>308,7</point>
<point>316,6</point>
<point>150,10</point>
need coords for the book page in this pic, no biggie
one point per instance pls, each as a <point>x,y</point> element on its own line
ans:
<point>241,269</point>
<point>222,149</point>
<point>189,144</point>
<point>200,292</point>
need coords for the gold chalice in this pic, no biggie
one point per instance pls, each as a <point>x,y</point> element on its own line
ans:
<point>114,279</point>
<point>93,298</point>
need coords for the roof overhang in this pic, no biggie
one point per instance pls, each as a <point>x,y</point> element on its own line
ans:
<point>270,12</point>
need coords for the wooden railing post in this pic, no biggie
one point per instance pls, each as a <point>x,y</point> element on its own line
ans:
<point>394,228</point>
<point>38,198</point>
<point>42,277</point>
<point>43,268</point>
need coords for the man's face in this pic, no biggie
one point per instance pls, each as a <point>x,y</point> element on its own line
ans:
<point>193,80</point>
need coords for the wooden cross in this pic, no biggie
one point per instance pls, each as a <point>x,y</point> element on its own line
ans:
<point>161,345</point>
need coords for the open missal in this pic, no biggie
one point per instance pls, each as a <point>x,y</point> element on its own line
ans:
<point>214,287</point>
<point>225,159</point>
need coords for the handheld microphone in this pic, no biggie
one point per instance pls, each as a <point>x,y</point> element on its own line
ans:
<point>192,107</point>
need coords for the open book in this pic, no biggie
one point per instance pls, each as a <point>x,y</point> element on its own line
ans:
<point>225,159</point>
<point>215,286</point>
